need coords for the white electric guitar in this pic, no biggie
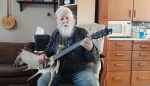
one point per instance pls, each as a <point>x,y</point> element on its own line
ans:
<point>31,59</point>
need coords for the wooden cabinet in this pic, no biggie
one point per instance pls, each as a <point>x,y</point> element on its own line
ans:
<point>119,63</point>
<point>133,10</point>
<point>141,10</point>
<point>84,11</point>
<point>120,9</point>
<point>141,63</point>
<point>128,63</point>
<point>120,78</point>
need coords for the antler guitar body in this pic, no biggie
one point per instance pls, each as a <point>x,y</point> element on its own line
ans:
<point>32,61</point>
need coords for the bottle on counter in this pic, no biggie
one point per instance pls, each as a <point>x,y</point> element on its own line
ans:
<point>142,30</point>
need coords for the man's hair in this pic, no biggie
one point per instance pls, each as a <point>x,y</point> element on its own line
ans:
<point>62,8</point>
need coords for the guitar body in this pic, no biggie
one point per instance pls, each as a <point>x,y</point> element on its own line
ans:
<point>8,22</point>
<point>32,61</point>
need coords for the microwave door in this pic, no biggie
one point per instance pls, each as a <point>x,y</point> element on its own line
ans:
<point>118,29</point>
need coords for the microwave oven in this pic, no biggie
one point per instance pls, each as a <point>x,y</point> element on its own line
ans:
<point>120,28</point>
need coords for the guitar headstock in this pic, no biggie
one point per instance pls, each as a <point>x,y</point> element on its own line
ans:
<point>101,33</point>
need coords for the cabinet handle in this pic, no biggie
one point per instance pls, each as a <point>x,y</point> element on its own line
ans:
<point>118,64</point>
<point>129,13</point>
<point>142,64</point>
<point>118,78</point>
<point>143,54</point>
<point>119,54</point>
<point>134,13</point>
<point>120,44</point>
<point>144,46</point>
<point>141,78</point>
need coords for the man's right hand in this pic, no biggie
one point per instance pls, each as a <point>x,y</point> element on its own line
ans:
<point>42,58</point>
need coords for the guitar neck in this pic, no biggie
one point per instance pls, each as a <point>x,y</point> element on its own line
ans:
<point>7,8</point>
<point>56,56</point>
<point>96,35</point>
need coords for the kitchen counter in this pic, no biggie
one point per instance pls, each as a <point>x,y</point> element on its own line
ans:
<point>128,39</point>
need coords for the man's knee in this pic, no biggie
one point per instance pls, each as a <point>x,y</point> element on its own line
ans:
<point>87,81</point>
<point>43,80</point>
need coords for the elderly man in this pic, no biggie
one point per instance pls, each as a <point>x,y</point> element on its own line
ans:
<point>75,65</point>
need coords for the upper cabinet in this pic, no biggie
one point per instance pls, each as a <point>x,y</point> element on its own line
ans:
<point>132,10</point>
<point>84,11</point>
<point>120,9</point>
<point>141,10</point>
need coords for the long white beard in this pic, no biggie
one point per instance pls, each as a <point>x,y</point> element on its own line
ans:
<point>66,31</point>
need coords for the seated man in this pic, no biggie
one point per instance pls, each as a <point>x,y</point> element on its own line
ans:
<point>75,65</point>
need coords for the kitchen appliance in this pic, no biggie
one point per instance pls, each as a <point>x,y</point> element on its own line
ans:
<point>120,29</point>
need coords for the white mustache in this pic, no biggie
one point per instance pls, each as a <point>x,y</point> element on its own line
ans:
<point>65,25</point>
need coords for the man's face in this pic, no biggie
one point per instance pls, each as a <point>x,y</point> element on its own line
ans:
<point>64,19</point>
<point>65,23</point>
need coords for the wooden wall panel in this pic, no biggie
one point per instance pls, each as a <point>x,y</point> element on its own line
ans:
<point>103,19</point>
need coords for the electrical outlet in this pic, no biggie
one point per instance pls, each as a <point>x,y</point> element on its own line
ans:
<point>48,14</point>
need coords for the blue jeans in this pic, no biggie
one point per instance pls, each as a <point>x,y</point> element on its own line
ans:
<point>82,78</point>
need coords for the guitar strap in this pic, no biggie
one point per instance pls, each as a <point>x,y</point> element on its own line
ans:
<point>53,41</point>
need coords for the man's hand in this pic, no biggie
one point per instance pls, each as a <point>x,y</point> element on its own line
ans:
<point>87,44</point>
<point>42,58</point>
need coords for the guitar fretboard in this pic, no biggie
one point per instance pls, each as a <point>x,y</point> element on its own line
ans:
<point>56,56</point>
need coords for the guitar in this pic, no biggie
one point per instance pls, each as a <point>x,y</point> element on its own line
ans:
<point>8,21</point>
<point>54,63</point>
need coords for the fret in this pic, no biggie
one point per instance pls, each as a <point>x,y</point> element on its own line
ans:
<point>63,52</point>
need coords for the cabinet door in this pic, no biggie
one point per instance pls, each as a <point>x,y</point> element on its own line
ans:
<point>120,9</point>
<point>140,78</point>
<point>85,11</point>
<point>141,10</point>
<point>121,78</point>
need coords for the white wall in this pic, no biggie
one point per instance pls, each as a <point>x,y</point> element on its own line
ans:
<point>32,16</point>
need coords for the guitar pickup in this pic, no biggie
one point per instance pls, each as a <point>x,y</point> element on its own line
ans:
<point>44,65</point>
